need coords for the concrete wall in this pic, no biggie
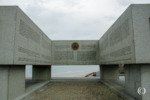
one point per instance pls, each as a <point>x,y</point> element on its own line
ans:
<point>21,41</point>
<point>7,34</point>
<point>87,53</point>
<point>136,76</point>
<point>117,45</point>
<point>128,39</point>
<point>141,25</point>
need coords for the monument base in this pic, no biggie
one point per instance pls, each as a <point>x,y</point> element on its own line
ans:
<point>12,81</point>
<point>137,81</point>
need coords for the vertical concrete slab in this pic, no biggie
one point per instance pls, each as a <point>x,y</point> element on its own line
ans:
<point>133,80</point>
<point>109,72</point>
<point>141,25</point>
<point>145,81</point>
<point>3,82</point>
<point>7,33</point>
<point>41,72</point>
<point>12,81</point>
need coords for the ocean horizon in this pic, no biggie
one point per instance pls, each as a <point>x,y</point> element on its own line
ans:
<point>67,70</point>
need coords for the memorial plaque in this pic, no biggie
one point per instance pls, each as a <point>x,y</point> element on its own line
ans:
<point>75,52</point>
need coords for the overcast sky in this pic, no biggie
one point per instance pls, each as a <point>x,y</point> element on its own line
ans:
<point>73,19</point>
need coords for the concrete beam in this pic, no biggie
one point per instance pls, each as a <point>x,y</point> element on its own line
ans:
<point>12,81</point>
<point>41,72</point>
<point>137,76</point>
<point>109,72</point>
<point>75,52</point>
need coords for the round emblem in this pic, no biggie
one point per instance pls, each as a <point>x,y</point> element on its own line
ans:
<point>141,90</point>
<point>75,46</point>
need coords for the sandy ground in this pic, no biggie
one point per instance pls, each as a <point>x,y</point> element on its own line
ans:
<point>74,90</point>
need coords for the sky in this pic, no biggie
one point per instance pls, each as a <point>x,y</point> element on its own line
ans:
<point>73,19</point>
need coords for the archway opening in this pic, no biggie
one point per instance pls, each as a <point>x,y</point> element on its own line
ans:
<point>75,71</point>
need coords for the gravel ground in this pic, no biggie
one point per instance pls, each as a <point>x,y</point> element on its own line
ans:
<point>74,90</point>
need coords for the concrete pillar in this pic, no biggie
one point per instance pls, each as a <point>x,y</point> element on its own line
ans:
<point>109,72</point>
<point>145,81</point>
<point>41,72</point>
<point>12,81</point>
<point>133,79</point>
<point>137,76</point>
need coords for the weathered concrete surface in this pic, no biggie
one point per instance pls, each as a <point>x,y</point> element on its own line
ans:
<point>12,81</point>
<point>63,53</point>
<point>137,76</point>
<point>109,72</point>
<point>21,41</point>
<point>133,80</point>
<point>145,81</point>
<point>41,72</point>
<point>116,45</point>
<point>127,40</point>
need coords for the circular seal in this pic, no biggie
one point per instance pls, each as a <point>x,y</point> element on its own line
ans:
<point>75,46</point>
<point>141,90</point>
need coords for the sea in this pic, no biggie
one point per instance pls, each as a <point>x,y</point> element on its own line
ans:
<point>67,70</point>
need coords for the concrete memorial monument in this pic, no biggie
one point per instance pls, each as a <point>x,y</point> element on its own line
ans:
<point>126,43</point>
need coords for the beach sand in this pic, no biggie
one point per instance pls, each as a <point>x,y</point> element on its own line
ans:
<point>74,90</point>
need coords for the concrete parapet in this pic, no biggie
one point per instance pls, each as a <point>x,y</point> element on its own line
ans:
<point>41,72</point>
<point>12,81</point>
